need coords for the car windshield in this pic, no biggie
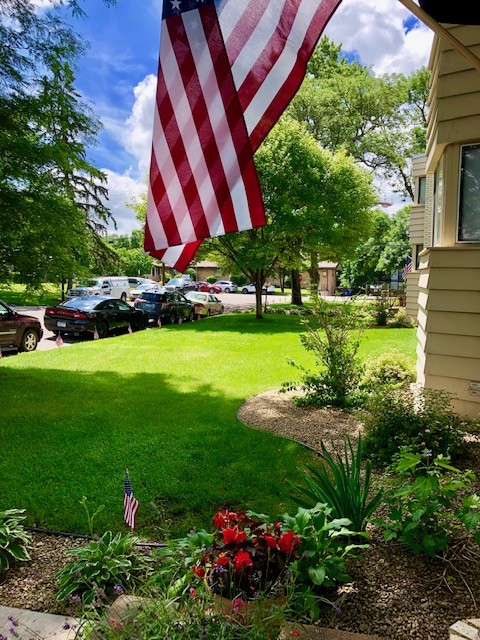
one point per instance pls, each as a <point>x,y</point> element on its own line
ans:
<point>196,296</point>
<point>175,281</point>
<point>153,297</point>
<point>87,304</point>
<point>90,282</point>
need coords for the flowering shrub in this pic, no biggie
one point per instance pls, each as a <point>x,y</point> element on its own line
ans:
<point>247,556</point>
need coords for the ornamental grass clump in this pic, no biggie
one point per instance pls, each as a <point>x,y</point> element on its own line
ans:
<point>341,482</point>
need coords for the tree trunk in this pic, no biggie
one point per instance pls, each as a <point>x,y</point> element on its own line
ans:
<point>63,288</point>
<point>282,279</point>
<point>258,293</point>
<point>296,289</point>
<point>314,277</point>
<point>70,282</point>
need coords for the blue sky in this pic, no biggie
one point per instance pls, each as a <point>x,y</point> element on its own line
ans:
<point>118,73</point>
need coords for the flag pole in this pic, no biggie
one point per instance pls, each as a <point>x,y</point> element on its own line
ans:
<point>435,26</point>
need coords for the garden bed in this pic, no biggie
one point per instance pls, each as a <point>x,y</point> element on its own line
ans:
<point>392,594</point>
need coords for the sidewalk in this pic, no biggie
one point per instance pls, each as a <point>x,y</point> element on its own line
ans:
<point>36,626</point>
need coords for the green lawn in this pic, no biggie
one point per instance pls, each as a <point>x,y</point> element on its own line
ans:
<point>18,294</point>
<point>163,403</point>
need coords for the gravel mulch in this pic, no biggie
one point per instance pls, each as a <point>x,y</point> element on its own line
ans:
<point>392,593</point>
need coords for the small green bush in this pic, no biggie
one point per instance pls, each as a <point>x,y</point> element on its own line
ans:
<point>390,370</point>
<point>14,540</point>
<point>381,308</point>
<point>333,335</point>
<point>322,557</point>
<point>340,483</point>
<point>101,569</point>
<point>401,320</point>
<point>426,513</point>
<point>420,419</point>
<point>211,279</point>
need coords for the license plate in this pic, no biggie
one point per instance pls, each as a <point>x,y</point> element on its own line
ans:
<point>61,323</point>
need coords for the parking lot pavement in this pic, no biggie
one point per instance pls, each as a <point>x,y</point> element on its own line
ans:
<point>231,301</point>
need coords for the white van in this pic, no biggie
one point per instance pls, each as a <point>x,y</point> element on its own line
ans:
<point>111,286</point>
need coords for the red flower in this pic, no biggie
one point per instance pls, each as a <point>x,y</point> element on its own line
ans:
<point>288,542</point>
<point>243,560</point>
<point>223,560</point>
<point>228,536</point>
<point>199,571</point>
<point>271,541</point>
<point>240,537</point>
<point>220,519</point>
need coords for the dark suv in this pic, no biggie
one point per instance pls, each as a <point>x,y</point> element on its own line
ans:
<point>18,331</point>
<point>168,306</point>
<point>181,284</point>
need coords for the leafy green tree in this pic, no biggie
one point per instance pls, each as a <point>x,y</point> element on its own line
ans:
<point>381,121</point>
<point>383,252</point>
<point>314,200</point>
<point>51,197</point>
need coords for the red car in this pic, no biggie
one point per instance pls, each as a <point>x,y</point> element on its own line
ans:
<point>208,286</point>
<point>18,331</point>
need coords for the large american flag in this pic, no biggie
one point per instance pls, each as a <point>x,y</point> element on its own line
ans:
<point>130,504</point>
<point>226,73</point>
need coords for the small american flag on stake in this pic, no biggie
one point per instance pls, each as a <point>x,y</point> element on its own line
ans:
<point>130,504</point>
<point>59,340</point>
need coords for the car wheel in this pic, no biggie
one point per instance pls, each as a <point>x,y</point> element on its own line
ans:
<point>244,290</point>
<point>209,313</point>
<point>222,310</point>
<point>227,289</point>
<point>102,330</point>
<point>212,290</point>
<point>29,341</point>
<point>123,297</point>
<point>191,316</point>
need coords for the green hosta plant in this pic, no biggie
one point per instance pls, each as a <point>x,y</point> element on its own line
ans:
<point>322,557</point>
<point>101,569</point>
<point>340,483</point>
<point>14,540</point>
<point>427,513</point>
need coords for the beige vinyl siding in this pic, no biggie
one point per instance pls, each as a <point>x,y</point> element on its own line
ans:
<point>412,295</point>
<point>449,323</point>
<point>417,223</point>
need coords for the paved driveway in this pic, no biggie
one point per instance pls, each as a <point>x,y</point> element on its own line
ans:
<point>230,300</point>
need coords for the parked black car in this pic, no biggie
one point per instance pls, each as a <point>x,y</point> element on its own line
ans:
<point>84,314</point>
<point>169,306</point>
<point>18,331</point>
<point>181,284</point>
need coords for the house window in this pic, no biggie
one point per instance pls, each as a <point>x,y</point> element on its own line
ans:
<point>422,189</point>
<point>437,208</point>
<point>417,249</point>
<point>469,201</point>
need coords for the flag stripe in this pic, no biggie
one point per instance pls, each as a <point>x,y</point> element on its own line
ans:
<point>202,148</point>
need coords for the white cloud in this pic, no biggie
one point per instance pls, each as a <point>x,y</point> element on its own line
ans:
<point>135,133</point>
<point>123,189</point>
<point>375,31</point>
